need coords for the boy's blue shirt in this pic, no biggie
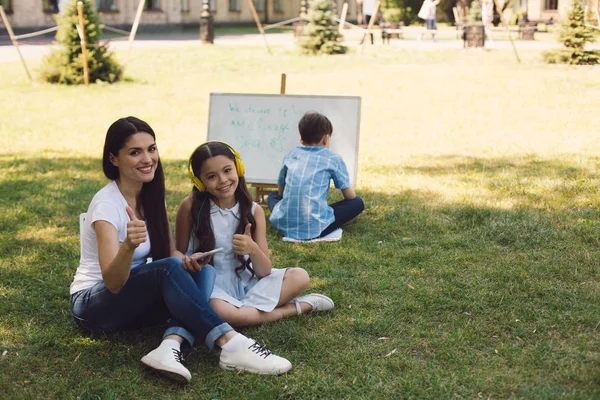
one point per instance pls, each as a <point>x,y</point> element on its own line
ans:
<point>307,171</point>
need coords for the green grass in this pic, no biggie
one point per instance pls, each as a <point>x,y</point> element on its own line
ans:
<point>473,272</point>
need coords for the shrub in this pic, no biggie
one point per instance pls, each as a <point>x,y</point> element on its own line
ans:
<point>572,56</point>
<point>392,15</point>
<point>321,34</point>
<point>64,64</point>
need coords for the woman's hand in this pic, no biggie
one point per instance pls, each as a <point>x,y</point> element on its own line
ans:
<point>195,262</point>
<point>136,230</point>
<point>243,244</point>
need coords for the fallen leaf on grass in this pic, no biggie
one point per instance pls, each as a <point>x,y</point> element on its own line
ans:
<point>354,380</point>
<point>410,286</point>
<point>383,338</point>
<point>4,353</point>
<point>390,353</point>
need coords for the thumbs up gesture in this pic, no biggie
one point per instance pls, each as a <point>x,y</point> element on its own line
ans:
<point>136,230</point>
<point>243,243</point>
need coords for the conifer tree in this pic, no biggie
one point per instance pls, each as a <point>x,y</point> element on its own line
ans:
<point>475,13</point>
<point>321,34</point>
<point>574,35</point>
<point>64,64</point>
<point>573,32</point>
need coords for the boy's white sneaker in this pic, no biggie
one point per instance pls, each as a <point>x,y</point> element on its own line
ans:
<point>168,361</point>
<point>317,301</point>
<point>254,357</point>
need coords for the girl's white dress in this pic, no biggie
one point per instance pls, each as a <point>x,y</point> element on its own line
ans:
<point>243,289</point>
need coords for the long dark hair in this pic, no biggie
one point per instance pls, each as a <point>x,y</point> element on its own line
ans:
<point>151,201</point>
<point>201,205</point>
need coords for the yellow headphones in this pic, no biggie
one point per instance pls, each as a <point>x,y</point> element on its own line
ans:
<point>239,165</point>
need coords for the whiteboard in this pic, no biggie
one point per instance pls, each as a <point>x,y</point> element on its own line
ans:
<point>264,127</point>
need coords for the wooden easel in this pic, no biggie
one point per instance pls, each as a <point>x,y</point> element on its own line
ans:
<point>263,189</point>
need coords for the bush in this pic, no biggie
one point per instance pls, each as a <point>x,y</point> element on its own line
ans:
<point>64,64</point>
<point>392,15</point>
<point>321,34</point>
<point>572,56</point>
<point>574,35</point>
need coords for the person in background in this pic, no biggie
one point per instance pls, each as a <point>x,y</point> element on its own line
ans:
<point>427,12</point>
<point>368,8</point>
<point>487,16</point>
<point>299,208</point>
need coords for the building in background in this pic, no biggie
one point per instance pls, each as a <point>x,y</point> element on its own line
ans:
<point>159,14</point>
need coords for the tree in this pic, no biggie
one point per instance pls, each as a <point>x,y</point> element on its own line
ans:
<point>64,64</point>
<point>574,35</point>
<point>321,34</point>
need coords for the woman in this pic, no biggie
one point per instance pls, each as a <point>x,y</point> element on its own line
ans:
<point>116,289</point>
<point>427,12</point>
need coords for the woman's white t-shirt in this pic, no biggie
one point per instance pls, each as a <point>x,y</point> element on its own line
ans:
<point>107,205</point>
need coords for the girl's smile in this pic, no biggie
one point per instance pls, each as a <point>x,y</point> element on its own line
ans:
<point>220,178</point>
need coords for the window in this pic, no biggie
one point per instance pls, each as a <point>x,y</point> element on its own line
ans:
<point>551,4</point>
<point>50,5</point>
<point>106,5</point>
<point>152,5</point>
<point>234,5</point>
<point>277,6</point>
<point>185,5</point>
<point>6,5</point>
<point>259,5</point>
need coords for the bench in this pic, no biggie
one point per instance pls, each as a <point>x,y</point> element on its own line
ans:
<point>387,32</point>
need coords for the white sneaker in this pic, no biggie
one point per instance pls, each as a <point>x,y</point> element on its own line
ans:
<point>254,358</point>
<point>317,301</point>
<point>168,361</point>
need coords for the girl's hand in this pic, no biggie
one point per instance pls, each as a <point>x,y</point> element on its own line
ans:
<point>195,262</point>
<point>244,244</point>
<point>136,230</point>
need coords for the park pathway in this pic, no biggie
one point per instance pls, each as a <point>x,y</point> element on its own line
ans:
<point>448,41</point>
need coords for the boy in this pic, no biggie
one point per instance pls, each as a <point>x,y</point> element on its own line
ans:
<point>299,208</point>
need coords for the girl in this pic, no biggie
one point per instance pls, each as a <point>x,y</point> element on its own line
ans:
<point>115,288</point>
<point>219,213</point>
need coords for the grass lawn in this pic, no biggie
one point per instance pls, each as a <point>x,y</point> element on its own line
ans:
<point>473,272</point>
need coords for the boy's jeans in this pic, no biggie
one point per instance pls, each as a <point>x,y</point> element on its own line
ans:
<point>344,211</point>
<point>154,293</point>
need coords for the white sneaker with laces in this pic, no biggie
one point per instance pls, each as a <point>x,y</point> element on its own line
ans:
<point>169,362</point>
<point>318,302</point>
<point>254,357</point>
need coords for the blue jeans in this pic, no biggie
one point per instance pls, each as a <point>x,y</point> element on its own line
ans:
<point>430,23</point>
<point>153,294</point>
<point>343,211</point>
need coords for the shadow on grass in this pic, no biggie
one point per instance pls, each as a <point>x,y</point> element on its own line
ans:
<point>416,268</point>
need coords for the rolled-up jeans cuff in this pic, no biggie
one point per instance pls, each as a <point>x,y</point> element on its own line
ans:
<point>180,331</point>
<point>216,333</point>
